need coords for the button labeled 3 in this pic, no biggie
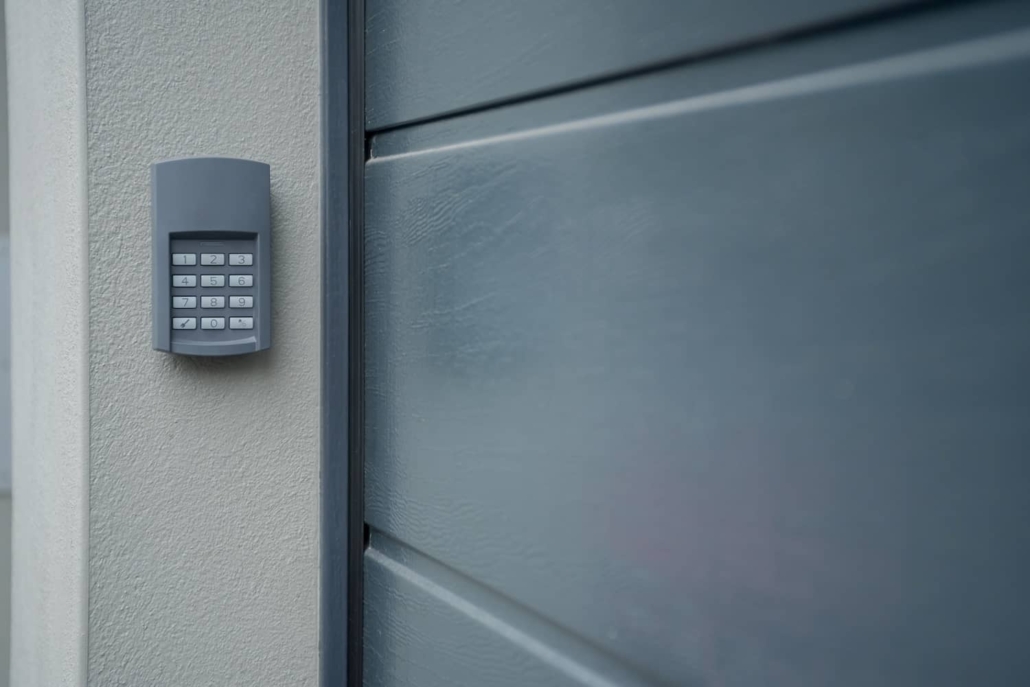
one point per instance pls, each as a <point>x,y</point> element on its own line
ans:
<point>241,259</point>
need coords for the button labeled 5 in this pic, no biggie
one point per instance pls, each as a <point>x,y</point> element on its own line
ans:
<point>212,280</point>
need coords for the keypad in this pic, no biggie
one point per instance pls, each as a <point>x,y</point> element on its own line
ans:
<point>208,275</point>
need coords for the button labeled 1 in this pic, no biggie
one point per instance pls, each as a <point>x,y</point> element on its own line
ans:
<point>241,301</point>
<point>184,258</point>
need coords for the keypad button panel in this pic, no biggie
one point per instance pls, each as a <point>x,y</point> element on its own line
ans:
<point>221,282</point>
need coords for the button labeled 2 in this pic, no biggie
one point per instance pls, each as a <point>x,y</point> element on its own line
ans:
<point>212,258</point>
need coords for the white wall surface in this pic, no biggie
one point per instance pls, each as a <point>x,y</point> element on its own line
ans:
<point>45,80</point>
<point>203,473</point>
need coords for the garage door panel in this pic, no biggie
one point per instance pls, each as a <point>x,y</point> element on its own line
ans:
<point>732,387</point>
<point>425,58</point>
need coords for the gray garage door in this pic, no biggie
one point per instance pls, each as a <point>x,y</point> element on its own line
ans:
<point>697,343</point>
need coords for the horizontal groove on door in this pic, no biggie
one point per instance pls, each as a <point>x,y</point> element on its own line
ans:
<point>470,630</point>
<point>728,386</point>
<point>425,58</point>
<point>849,46</point>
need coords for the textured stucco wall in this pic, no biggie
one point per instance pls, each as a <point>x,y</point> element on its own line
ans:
<point>49,308</point>
<point>203,561</point>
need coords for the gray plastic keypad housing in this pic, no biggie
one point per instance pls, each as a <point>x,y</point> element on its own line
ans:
<point>212,261</point>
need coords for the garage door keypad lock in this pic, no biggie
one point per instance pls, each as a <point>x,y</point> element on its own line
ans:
<point>211,233</point>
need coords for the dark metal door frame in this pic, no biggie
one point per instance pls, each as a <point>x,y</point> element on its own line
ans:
<point>342,504</point>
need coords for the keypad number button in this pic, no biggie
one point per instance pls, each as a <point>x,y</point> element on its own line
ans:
<point>212,323</point>
<point>241,323</point>
<point>212,258</point>
<point>180,302</point>
<point>244,280</point>
<point>241,301</point>
<point>245,259</point>
<point>184,280</point>
<point>212,301</point>
<point>212,280</point>
<point>184,323</point>
<point>184,259</point>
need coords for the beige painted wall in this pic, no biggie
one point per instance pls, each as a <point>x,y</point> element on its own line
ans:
<point>202,473</point>
<point>46,123</point>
